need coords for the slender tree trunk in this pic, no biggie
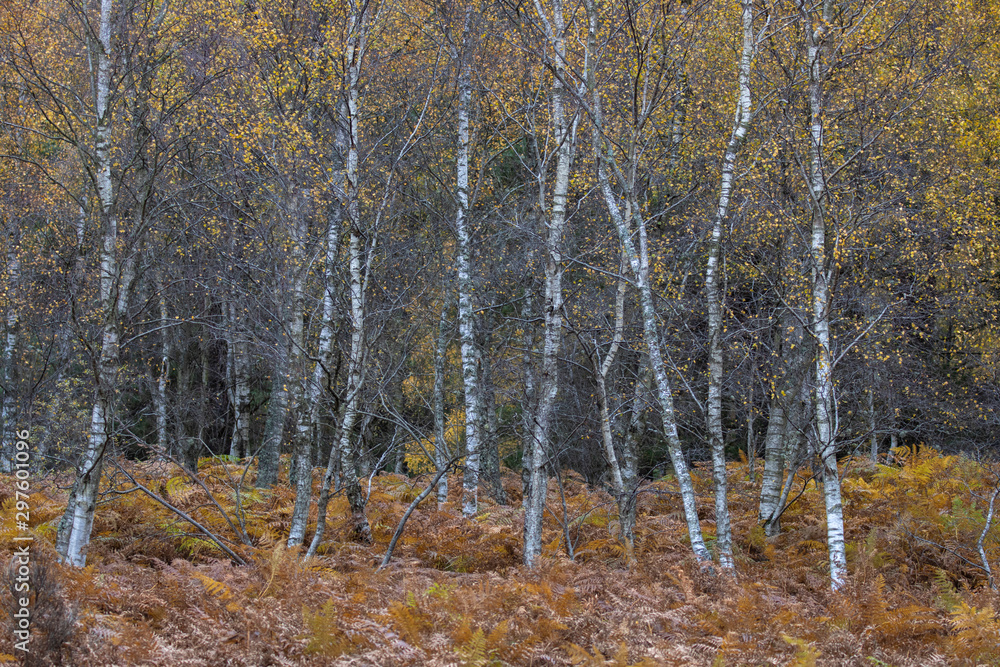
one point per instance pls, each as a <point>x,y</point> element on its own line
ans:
<point>163,376</point>
<point>239,386</point>
<point>527,415</point>
<point>774,458</point>
<point>817,54</point>
<point>277,411</point>
<point>630,445</point>
<point>623,496</point>
<point>115,280</point>
<point>751,435</point>
<point>564,126</point>
<point>872,424</point>
<point>714,297</point>
<point>8,404</point>
<point>348,136</point>
<point>638,263</point>
<point>466,316</point>
<point>206,394</point>
<point>784,415</point>
<point>301,464</point>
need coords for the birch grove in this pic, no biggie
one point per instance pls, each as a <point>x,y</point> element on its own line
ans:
<point>678,254</point>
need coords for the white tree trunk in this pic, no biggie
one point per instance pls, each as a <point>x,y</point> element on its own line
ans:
<point>277,411</point>
<point>114,283</point>
<point>638,263</point>
<point>714,298</point>
<point>348,136</point>
<point>563,125</point>
<point>8,405</point>
<point>239,386</point>
<point>601,369</point>
<point>527,415</point>
<point>466,315</point>
<point>160,396</point>
<point>817,54</point>
<point>301,463</point>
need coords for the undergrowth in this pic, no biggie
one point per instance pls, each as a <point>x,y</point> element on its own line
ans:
<point>157,591</point>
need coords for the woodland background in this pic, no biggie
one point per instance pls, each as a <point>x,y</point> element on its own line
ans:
<point>685,313</point>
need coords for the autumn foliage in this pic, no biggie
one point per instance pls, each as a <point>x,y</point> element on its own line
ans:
<point>153,593</point>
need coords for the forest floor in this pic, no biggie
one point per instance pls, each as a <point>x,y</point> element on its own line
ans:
<point>155,592</point>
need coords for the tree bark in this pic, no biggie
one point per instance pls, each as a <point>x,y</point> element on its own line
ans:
<point>817,49</point>
<point>714,297</point>
<point>8,404</point>
<point>277,411</point>
<point>115,280</point>
<point>301,464</point>
<point>563,124</point>
<point>638,263</point>
<point>348,136</point>
<point>463,260</point>
<point>239,386</point>
<point>163,376</point>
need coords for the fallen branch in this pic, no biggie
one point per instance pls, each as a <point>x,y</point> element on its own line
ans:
<point>179,512</point>
<point>409,510</point>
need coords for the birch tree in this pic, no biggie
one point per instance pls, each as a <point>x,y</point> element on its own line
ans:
<point>816,24</point>
<point>12,321</point>
<point>461,57</point>
<point>116,275</point>
<point>713,291</point>
<point>637,259</point>
<point>564,120</point>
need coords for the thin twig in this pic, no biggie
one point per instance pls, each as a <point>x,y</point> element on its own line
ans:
<point>179,512</point>
<point>409,510</point>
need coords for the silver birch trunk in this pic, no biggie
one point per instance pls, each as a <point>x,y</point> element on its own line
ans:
<point>466,314</point>
<point>714,298</point>
<point>872,424</point>
<point>343,448</point>
<point>785,419</point>
<point>239,387</point>
<point>310,420</point>
<point>638,263</point>
<point>160,396</point>
<point>817,55</point>
<point>601,370</point>
<point>527,416</point>
<point>8,406</point>
<point>277,410</point>
<point>563,125</point>
<point>347,141</point>
<point>774,461</point>
<point>114,283</point>
<point>301,464</point>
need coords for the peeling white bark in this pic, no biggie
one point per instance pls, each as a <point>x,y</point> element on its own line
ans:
<point>463,261</point>
<point>114,282</point>
<point>348,137</point>
<point>638,262</point>
<point>817,54</point>
<point>563,125</point>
